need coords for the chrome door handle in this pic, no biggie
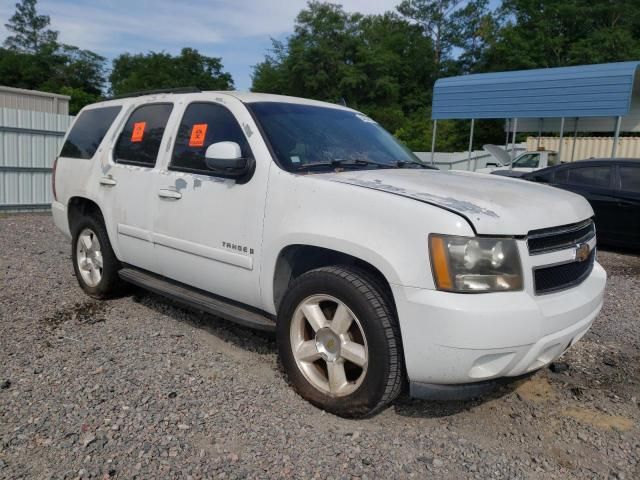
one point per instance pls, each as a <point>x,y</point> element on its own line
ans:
<point>108,181</point>
<point>171,194</point>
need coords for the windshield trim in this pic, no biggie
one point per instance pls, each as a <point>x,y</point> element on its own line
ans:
<point>276,159</point>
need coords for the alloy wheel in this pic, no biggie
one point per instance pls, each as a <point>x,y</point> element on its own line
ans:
<point>329,345</point>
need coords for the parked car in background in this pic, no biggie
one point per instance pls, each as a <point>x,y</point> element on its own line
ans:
<point>612,187</point>
<point>524,163</point>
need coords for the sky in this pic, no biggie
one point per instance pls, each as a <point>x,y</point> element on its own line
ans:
<point>238,31</point>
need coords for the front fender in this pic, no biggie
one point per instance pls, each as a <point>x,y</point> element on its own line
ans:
<point>387,231</point>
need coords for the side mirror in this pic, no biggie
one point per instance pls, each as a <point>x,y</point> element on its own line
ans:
<point>225,159</point>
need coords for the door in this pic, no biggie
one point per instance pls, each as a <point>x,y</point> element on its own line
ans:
<point>596,184</point>
<point>129,183</point>
<point>208,229</point>
<point>628,217</point>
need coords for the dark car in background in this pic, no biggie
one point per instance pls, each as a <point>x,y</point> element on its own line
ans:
<point>612,187</point>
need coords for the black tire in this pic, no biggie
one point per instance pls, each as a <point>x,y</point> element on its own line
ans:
<point>110,285</point>
<point>366,298</point>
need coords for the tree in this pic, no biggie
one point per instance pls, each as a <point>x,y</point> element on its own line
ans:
<point>30,32</point>
<point>380,64</point>
<point>33,59</point>
<point>436,18</point>
<point>554,33</point>
<point>472,30</point>
<point>157,70</point>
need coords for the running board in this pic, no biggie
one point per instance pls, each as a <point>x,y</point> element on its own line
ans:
<point>199,300</point>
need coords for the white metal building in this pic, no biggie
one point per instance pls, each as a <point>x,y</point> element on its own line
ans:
<point>32,126</point>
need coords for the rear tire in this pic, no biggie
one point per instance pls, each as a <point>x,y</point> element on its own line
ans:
<point>339,341</point>
<point>94,262</point>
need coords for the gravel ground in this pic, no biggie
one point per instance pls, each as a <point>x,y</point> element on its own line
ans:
<point>139,388</point>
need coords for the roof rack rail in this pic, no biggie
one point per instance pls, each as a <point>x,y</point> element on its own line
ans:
<point>160,90</point>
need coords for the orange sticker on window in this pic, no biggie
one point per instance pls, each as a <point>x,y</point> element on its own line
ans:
<point>198,134</point>
<point>138,131</point>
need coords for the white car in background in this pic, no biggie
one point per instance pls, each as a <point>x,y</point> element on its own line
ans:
<point>306,218</point>
<point>524,163</point>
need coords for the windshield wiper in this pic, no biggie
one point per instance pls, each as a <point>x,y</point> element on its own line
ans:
<point>403,164</point>
<point>346,163</point>
<point>361,162</point>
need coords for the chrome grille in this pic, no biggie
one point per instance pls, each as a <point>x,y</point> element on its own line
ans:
<point>558,238</point>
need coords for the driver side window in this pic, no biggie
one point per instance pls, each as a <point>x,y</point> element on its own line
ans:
<point>527,161</point>
<point>202,125</point>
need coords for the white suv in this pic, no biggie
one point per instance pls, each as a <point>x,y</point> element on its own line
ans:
<point>309,219</point>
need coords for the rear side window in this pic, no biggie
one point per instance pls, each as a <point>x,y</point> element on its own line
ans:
<point>88,131</point>
<point>202,125</point>
<point>590,176</point>
<point>140,139</point>
<point>630,179</point>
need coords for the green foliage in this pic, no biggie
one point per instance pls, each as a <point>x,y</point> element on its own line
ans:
<point>58,69</point>
<point>375,63</point>
<point>33,59</point>
<point>385,65</point>
<point>554,33</point>
<point>30,32</point>
<point>435,18</point>
<point>155,70</point>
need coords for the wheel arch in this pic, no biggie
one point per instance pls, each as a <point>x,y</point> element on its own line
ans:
<point>297,259</point>
<point>78,206</point>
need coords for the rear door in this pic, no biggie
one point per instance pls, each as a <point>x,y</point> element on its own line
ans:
<point>628,215</point>
<point>596,184</point>
<point>128,183</point>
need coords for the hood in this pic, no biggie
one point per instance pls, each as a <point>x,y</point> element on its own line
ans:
<point>498,153</point>
<point>493,205</point>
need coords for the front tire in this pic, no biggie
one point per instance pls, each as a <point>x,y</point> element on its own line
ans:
<point>94,262</point>
<point>339,341</point>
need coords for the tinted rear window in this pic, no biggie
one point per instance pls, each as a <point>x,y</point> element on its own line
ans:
<point>88,131</point>
<point>630,179</point>
<point>140,139</point>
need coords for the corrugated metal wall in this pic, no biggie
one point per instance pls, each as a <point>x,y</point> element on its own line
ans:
<point>588,147</point>
<point>29,142</point>
<point>20,99</point>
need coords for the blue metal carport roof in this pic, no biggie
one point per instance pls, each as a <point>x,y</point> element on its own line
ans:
<point>584,91</point>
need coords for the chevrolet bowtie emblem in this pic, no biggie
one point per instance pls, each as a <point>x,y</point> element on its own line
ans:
<point>582,252</point>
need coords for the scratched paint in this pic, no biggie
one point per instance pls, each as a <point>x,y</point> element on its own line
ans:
<point>180,184</point>
<point>455,204</point>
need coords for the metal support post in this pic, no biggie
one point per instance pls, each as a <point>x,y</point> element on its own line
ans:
<point>470,144</point>
<point>433,142</point>
<point>616,138</point>
<point>561,138</point>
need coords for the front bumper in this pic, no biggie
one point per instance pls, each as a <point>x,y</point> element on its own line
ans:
<point>457,339</point>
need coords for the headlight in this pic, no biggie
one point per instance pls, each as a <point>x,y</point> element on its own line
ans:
<point>475,264</point>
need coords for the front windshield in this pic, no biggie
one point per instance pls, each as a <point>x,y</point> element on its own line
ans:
<point>311,138</point>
